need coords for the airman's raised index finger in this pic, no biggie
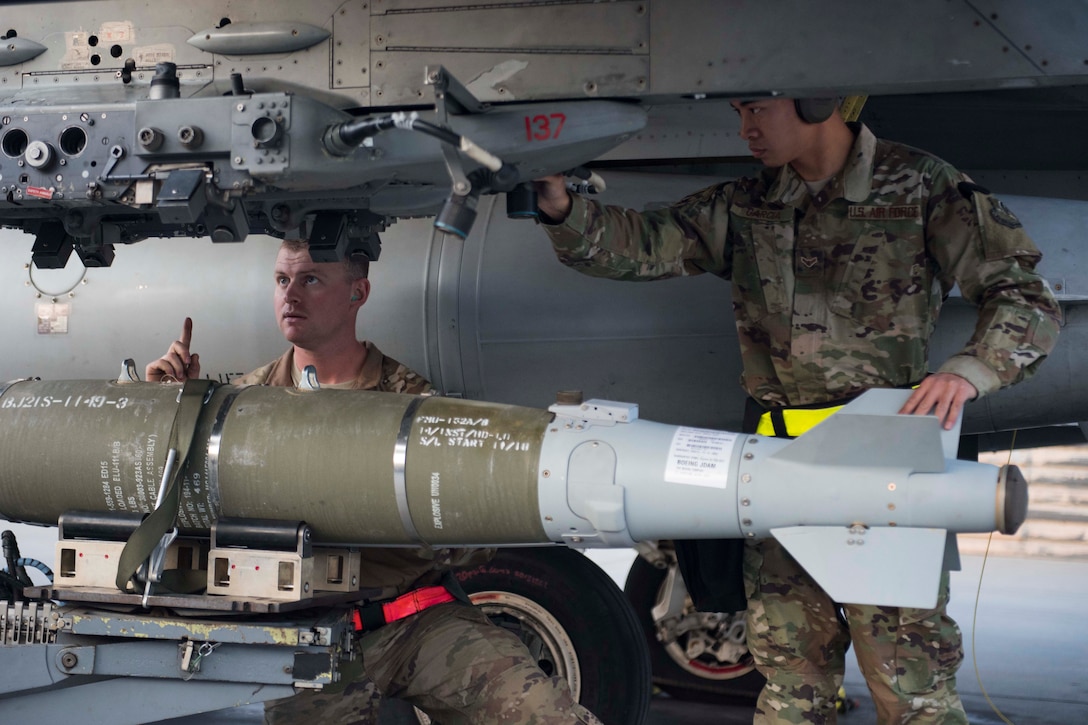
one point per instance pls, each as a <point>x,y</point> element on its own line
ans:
<point>186,332</point>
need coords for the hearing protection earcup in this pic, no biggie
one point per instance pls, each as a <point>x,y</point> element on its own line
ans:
<point>815,110</point>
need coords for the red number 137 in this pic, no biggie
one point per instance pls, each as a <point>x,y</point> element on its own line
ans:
<point>542,128</point>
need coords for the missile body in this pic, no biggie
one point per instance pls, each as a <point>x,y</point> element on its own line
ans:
<point>383,469</point>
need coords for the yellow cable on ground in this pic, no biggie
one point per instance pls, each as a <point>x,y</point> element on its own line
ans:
<point>974,617</point>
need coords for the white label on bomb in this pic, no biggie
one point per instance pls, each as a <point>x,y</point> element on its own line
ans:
<point>700,457</point>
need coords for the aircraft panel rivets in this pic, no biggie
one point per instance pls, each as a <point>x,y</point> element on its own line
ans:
<point>746,478</point>
<point>746,522</point>
<point>891,507</point>
<point>748,456</point>
<point>546,473</point>
<point>891,486</point>
<point>746,502</point>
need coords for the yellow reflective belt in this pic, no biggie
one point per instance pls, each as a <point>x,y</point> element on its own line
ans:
<point>798,420</point>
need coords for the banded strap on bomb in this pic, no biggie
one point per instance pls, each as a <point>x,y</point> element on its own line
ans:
<point>194,393</point>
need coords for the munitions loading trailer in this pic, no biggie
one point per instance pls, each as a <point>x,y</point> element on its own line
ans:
<point>80,650</point>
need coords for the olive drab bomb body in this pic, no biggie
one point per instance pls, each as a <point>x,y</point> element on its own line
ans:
<point>367,468</point>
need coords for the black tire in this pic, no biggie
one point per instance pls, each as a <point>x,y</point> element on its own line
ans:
<point>598,639</point>
<point>717,683</point>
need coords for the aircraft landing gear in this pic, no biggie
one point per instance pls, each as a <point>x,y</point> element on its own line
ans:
<point>695,655</point>
<point>575,619</point>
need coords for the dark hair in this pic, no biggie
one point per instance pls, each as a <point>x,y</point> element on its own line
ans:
<point>356,266</point>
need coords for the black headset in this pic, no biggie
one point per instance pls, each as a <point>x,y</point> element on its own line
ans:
<point>815,110</point>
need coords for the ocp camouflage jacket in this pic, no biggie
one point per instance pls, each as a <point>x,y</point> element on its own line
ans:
<point>838,292</point>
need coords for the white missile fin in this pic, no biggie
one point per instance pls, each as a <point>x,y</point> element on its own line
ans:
<point>879,401</point>
<point>870,432</point>
<point>891,566</point>
<point>877,441</point>
<point>890,401</point>
<point>950,439</point>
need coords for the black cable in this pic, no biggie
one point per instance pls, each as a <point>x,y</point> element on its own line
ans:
<point>11,554</point>
<point>10,587</point>
<point>356,132</point>
<point>442,134</point>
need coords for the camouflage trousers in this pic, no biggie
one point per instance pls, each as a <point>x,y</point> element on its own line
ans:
<point>452,663</point>
<point>909,657</point>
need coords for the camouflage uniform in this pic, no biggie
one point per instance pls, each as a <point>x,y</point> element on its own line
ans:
<point>834,293</point>
<point>448,660</point>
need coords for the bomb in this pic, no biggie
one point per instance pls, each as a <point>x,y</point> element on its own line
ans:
<point>861,495</point>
